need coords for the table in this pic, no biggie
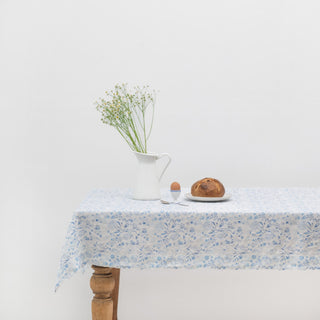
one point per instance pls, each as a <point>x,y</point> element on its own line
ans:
<point>259,228</point>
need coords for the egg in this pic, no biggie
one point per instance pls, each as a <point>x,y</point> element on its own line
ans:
<point>175,186</point>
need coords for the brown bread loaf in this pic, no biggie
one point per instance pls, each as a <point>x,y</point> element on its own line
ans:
<point>207,187</point>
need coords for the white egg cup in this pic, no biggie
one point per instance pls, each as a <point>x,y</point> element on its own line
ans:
<point>175,194</point>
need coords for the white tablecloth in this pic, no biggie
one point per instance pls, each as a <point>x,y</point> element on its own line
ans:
<point>257,228</point>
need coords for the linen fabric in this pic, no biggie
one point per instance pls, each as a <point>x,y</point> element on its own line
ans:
<point>258,228</point>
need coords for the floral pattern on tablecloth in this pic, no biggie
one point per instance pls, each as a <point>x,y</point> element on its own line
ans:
<point>258,228</point>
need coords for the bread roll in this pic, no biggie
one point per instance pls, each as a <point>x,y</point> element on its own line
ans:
<point>207,187</point>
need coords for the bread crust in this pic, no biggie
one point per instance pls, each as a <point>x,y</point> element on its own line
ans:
<point>207,187</point>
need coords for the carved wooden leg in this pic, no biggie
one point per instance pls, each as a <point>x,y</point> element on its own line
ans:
<point>115,294</point>
<point>102,284</point>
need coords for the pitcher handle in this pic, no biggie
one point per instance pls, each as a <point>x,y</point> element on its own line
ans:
<point>167,165</point>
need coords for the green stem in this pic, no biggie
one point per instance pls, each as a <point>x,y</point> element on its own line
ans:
<point>144,131</point>
<point>131,126</point>
<point>151,121</point>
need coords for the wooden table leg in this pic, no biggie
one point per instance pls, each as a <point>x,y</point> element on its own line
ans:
<point>105,286</point>
<point>115,293</point>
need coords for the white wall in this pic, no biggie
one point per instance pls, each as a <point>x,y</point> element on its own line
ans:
<point>239,100</point>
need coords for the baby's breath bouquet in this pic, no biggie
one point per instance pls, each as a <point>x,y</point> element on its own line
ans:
<point>128,111</point>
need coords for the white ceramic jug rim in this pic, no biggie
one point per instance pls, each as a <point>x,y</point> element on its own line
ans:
<point>148,153</point>
<point>153,154</point>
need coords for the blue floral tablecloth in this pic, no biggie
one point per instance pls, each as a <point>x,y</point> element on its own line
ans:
<point>257,228</point>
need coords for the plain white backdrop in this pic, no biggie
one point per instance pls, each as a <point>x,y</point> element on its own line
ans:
<point>238,100</point>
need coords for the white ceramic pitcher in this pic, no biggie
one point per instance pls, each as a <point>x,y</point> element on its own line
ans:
<point>147,185</point>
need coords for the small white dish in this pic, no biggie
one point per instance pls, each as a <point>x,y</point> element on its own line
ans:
<point>189,196</point>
